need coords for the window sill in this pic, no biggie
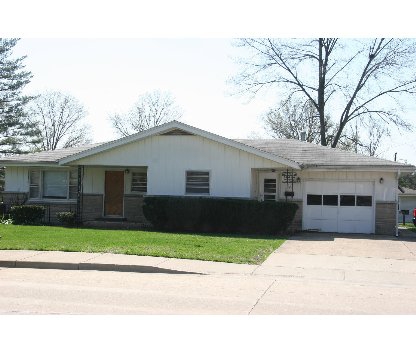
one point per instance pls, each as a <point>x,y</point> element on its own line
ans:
<point>51,201</point>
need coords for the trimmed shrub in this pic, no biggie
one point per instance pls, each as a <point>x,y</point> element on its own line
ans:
<point>68,218</point>
<point>27,214</point>
<point>218,214</point>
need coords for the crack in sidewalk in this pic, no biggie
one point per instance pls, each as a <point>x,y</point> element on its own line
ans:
<point>262,295</point>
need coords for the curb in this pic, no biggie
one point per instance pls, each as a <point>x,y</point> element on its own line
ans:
<point>93,266</point>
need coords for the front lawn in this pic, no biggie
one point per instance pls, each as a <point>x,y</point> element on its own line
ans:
<point>220,248</point>
<point>410,226</point>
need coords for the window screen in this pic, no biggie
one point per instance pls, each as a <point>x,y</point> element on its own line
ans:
<point>197,182</point>
<point>55,184</point>
<point>73,184</point>
<point>269,188</point>
<point>139,182</point>
<point>347,200</point>
<point>34,184</point>
<point>314,199</point>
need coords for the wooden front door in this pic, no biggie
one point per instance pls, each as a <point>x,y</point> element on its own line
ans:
<point>114,192</point>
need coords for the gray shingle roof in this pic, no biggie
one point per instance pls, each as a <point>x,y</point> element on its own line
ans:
<point>303,153</point>
<point>312,155</point>
<point>408,191</point>
<point>47,157</point>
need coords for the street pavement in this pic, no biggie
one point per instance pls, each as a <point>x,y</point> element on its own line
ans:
<point>308,274</point>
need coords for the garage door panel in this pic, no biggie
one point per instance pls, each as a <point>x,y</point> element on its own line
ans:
<point>314,212</point>
<point>352,211</point>
<point>330,188</point>
<point>346,187</point>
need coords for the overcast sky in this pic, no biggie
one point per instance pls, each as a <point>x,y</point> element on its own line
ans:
<point>108,75</point>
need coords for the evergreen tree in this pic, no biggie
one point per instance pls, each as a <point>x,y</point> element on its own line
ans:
<point>16,132</point>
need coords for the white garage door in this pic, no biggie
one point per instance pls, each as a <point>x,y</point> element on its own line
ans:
<point>339,206</point>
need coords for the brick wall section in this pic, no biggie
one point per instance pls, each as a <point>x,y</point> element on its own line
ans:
<point>92,208</point>
<point>386,218</point>
<point>133,208</point>
<point>53,208</point>
<point>297,221</point>
<point>13,198</point>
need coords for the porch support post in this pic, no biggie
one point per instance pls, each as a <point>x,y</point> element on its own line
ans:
<point>80,193</point>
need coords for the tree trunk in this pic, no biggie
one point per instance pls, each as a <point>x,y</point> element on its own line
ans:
<point>321,93</point>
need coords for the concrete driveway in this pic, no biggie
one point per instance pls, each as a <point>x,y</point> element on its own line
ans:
<point>308,274</point>
<point>342,274</point>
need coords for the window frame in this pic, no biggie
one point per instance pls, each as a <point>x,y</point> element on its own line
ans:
<point>40,187</point>
<point>209,183</point>
<point>131,182</point>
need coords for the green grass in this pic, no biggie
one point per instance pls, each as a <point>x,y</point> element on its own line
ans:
<point>221,248</point>
<point>410,226</point>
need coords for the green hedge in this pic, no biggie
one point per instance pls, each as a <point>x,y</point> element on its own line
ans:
<point>68,218</point>
<point>218,214</point>
<point>27,214</point>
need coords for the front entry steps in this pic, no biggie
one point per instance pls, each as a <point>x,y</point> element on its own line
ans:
<point>112,219</point>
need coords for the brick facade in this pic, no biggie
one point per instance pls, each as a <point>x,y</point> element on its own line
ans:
<point>133,208</point>
<point>386,218</point>
<point>297,220</point>
<point>92,207</point>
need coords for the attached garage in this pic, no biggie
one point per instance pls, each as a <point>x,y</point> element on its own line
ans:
<point>339,206</point>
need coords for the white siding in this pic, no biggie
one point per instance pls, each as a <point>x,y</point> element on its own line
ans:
<point>169,157</point>
<point>407,203</point>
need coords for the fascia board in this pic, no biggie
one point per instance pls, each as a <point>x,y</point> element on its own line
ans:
<point>405,169</point>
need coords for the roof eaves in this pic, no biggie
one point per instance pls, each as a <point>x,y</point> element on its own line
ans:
<point>402,168</point>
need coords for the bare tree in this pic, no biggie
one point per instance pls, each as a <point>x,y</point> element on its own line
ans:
<point>350,79</point>
<point>152,109</point>
<point>290,119</point>
<point>367,137</point>
<point>60,118</point>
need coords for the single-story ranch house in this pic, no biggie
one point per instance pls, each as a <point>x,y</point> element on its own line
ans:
<point>336,190</point>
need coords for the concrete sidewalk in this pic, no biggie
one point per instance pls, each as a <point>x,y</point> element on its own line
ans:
<point>308,274</point>
<point>117,262</point>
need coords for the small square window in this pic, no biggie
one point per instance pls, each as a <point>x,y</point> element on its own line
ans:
<point>197,182</point>
<point>347,200</point>
<point>330,200</point>
<point>314,199</point>
<point>139,182</point>
<point>364,200</point>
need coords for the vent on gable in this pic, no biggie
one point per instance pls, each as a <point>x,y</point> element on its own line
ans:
<point>177,132</point>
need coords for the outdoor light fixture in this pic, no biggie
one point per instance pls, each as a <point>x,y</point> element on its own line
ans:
<point>298,180</point>
<point>127,171</point>
<point>381,180</point>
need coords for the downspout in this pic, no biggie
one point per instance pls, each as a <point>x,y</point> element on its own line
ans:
<point>80,194</point>
<point>397,203</point>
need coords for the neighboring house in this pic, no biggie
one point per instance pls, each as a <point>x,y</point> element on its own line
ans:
<point>407,202</point>
<point>337,191</point>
